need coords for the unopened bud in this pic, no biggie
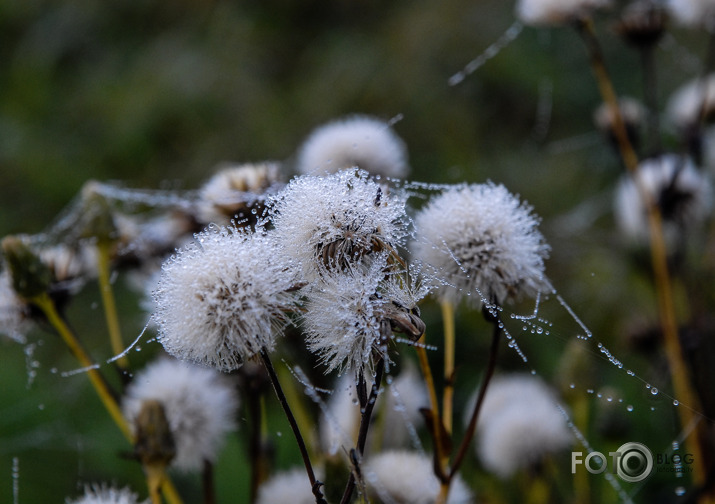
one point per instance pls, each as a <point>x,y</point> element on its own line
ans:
<point>30,276</point>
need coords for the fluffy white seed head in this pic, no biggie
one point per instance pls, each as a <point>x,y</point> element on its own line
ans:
<point>556,12</point>
<point>348,315</point>
<point>366,142</point>
<point>335,220</point>
<point>404,477</point>
<point>693,13</point>
<point>481,242</point>
<point>236,190</point>
<point>691,101</point>
<point>683,193</point>
<point>291,486</point>
<point>13,311</point>
<point>519,423</point>
<point>200,406</point>
<point>103,494</point>
<point>340,422</point>
<point>222,298</point>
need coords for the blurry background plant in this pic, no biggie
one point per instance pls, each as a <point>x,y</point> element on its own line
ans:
<point>156,94</point>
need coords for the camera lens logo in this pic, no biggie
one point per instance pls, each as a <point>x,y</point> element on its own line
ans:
<point>634,462</point>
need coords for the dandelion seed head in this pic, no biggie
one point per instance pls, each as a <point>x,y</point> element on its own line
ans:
<point>335,220</point>
<point>684,196</point>
<point>222,298</point>
<point>556,12</point>
<point>480,239</point>
<point>362,141</point>
<point>103,494</point>
<point>692,13</point>
<point>344,318</point>
<point>405,477</point>
<point>200,406</point>
<point>290,486</point>
<point>236,190</point>
<point>519,423</point>
<point>691,100</point>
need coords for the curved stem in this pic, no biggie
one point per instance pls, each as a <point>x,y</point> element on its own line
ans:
<point>108,398</point>
<point>315,484</point>
<point>440,457</point>
<point>365,425</point>
<point>109,303</point>
<point>491,366</point>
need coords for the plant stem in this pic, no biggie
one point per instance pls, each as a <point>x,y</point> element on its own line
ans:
<point>440,457</point>
<point>45,303</point>
<point>315,484</point>
<point>207,481</point>
<point>491,366</point>
<point>449,350</point>
<point>365,425</point>
<point>110,306</point>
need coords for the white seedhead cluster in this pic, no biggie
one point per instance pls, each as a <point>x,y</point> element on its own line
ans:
<point>481,242</point>
<point>222,299</point>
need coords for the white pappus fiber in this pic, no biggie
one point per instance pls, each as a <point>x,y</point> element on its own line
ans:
<point>102,494</point>
<point>200,406</point>
<point>363,141</point>
<point>403,477</point>
<point>519,423</point>
<point>221,299</point>
<point>481,242</point>
<point>334,221</point>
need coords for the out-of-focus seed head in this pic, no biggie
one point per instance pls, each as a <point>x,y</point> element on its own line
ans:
<point>366,142</point>
<point>199,405</point>
<point>556,12</point>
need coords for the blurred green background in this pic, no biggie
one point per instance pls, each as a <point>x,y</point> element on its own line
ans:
<point>155,94</point>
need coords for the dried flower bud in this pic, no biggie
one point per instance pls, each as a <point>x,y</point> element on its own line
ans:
<point>97,220</point>
<point>154,443</point>
<point>30,276</point>
<point>642,23</point>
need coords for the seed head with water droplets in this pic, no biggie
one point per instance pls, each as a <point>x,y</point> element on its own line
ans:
<point>223,298</point>
<point>335,221</point>
<point>480,240</point>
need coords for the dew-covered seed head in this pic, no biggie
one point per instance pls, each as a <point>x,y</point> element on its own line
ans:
<point>363,141</point>
<point>350,315</point>
<point>480,242</point>
<point>199,405</point>
<point>223,298</point>
<point>333,222</point>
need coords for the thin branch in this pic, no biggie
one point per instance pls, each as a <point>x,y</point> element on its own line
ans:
<point>365,425</point>
<point>314,483</point>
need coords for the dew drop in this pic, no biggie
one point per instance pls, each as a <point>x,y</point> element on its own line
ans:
<point>647,385</point>
<point>654,391</point>
<point>539,330</point>
<point>40,407</point>
<point>675,402</point>
<point>279,434</point>
<point>629,408</point>
<point>680,491</point>
<point>533,371</point>
<point>573,385</point>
